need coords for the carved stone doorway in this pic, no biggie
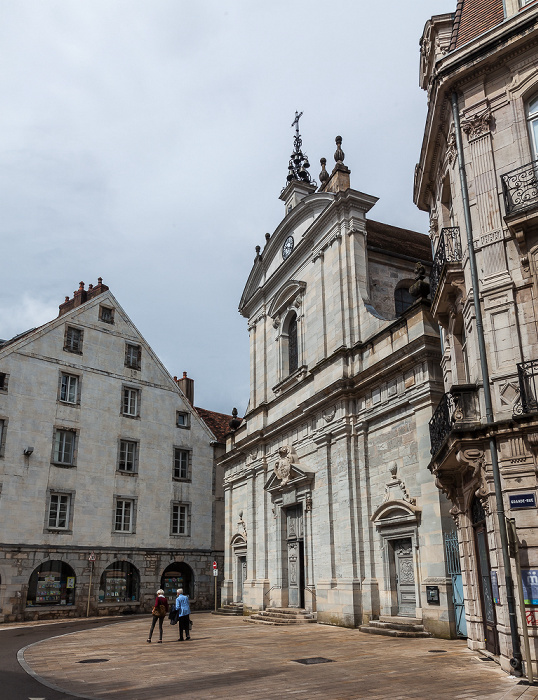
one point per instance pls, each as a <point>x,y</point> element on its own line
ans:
<point>404,575</point>
<point>295,556</point>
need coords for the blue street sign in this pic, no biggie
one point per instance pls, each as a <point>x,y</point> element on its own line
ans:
<point>522,500</point>
<point>529,579</point>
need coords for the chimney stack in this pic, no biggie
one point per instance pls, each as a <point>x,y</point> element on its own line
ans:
<point>186,384</point>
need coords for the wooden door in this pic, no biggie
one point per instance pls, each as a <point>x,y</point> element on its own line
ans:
<point>295,555</point>
<point>405,577</point>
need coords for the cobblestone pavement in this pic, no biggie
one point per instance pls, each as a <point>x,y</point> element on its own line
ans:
<point>228,658</point>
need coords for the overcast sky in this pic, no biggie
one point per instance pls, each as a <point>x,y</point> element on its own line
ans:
<point>147,142</point>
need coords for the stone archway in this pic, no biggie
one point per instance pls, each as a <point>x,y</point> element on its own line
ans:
<point>239,549</point>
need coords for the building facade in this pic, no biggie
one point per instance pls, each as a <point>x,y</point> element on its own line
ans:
<point>329,505</point>
<point>477,178</point>
<point>109,482</point>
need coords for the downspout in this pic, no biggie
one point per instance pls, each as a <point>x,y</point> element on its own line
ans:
<point>515,661</point>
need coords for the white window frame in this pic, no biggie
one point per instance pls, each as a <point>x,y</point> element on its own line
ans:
<point>183,419</point>
<point>124,458</point>
<point>106,310</point>
<point>69,388</point>
<point>56,499</point>
<point>59,447</point>
<point>133,354</point>
<point>180,519</point>
<point>182,454</point>
<point>124,515</point>
<point>130,402</point>
<point>69,344</point>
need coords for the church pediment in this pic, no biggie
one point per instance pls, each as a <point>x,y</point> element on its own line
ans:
<point>287,473</point>
<point>285,296</point>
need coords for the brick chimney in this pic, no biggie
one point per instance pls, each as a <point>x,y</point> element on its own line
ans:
<point>81,295</point>
<point>186,384</point>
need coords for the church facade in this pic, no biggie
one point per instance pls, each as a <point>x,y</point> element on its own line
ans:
<point>329,504</point>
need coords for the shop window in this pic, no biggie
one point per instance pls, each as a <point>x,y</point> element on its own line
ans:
<point>177,575</point>
<point>120,583</point>
<point>52,583</point>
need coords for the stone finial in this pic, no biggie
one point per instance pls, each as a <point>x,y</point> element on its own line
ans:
<point>66,298</point>
<point>324,175</point>
<point>235,422</point>
<point>90,286</point>
<point>81,286</point>
<point>339,154</point>
<point>393,468</point>
<point>267,236</point>
<point>100,280</point>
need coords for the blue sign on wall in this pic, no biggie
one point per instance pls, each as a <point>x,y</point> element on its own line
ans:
<point>529,579</point>
<point>522,500</point>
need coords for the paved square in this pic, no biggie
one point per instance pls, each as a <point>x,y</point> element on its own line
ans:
<point>227,657</point>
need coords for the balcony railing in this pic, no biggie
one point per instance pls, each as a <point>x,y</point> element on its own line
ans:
<point>528,388</point>
<point>458,406</point>
<point>448,250</point>
<point>520,188</point>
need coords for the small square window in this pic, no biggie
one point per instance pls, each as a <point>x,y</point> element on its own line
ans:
<point>183,419</point>
<point>133,356</point>
<point>69,386</point>
<point>73,340</point>
<point>180,519</point>
<point>123,521</point>
<point>106,314</point>
<point>64,447</point>
<point>3,381</point>
<point>128,458</point>
<point>181,463</point>
<point>131,402</point>
<point>59,507</point>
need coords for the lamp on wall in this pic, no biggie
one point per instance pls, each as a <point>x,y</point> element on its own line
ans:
<point>28,451</point>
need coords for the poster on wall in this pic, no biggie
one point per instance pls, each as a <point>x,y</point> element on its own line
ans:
<point>529,582</point>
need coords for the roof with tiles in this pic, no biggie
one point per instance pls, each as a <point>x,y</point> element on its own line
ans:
<point>397,240</point>
<point>218,423</point>
<point>473,18</point>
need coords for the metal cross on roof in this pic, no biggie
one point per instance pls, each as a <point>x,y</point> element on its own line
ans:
<point>298,167</point>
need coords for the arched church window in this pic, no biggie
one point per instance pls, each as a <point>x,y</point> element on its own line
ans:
<point>402,300</point>
<point>532,118</point>
<point>293,350</point>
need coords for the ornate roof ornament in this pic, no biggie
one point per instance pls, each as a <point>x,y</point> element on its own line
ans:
<point>339,154</point>
<point>324,175</point>
<point>298,167</point>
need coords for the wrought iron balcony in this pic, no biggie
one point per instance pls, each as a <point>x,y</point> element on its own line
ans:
<point>457,407</point>
<point>520,188</point>
<point>528,388</point>
<point>448,250</point>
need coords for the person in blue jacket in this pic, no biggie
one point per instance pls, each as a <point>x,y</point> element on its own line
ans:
<point>183,612</point>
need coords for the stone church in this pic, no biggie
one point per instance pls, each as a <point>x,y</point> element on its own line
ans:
<point>329,504</point>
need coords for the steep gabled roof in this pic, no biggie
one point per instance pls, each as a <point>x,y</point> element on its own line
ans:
<point>402,241</point>
<point>474,17</point>
<point>218,423</point>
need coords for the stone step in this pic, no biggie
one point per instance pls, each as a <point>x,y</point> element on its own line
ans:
<point>400,619</point>
<point>396,626</point>
<point>287,611</point>
<point>223,611</point>
<point>388,632</point>
<point>285,616</point>
<point>267,620</point>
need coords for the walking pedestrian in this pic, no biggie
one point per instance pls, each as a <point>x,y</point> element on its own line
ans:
<point>159,613</point>
<point>184,610</point>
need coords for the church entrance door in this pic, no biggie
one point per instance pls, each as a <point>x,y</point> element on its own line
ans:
<point>405,577</point>
<point>295,552</point>
<point>241,576</point>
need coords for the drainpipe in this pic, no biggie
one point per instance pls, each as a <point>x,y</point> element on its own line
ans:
<point>515,661</point>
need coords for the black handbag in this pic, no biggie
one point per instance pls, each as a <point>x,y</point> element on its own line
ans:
<point>173,616</point>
